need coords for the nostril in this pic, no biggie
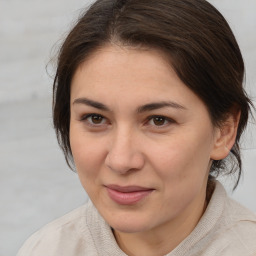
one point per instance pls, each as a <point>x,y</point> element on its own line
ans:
<point>117,163</point>
<point>124,163</point>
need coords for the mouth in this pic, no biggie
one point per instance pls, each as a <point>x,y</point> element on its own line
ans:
<point>128,195</point>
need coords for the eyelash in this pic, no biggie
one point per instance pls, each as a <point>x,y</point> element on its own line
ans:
<point>86,117</point>
<point>167,121</point>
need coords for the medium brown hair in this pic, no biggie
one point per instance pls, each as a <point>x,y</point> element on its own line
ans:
<point>199,42</point>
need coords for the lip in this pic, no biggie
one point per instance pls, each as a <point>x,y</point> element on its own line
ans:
<point>127,195</point>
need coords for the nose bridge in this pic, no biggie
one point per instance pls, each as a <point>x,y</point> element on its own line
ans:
<point>124,152</point>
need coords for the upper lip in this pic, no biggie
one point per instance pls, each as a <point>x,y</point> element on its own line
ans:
<point>127,189</point>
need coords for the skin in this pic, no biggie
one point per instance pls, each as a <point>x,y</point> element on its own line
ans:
<point>122,144</point>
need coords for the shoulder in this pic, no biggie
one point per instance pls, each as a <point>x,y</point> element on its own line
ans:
<point>236,229</point>
<point>226,228</point>
<point>240,225</point>
<point>65,236</point>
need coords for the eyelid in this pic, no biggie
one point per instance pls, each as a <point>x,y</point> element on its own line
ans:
<point>168,119</point>
<point>85,118</point>
<point>105,122</point>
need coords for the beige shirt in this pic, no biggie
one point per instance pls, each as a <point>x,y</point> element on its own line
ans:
<point>225,229</point>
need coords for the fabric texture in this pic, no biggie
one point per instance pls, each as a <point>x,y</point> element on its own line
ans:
<point>225,229</point>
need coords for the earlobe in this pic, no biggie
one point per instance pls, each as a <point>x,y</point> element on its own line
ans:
<point>225,136</point>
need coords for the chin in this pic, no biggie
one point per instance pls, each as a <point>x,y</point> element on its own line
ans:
<point>129,224</point>
<point>128,228</point>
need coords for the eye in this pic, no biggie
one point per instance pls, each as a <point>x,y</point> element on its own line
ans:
<point>159,121</point>
<point>94,119</point>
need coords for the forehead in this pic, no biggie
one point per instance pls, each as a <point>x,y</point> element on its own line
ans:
<point>116,73</point>
<point>124,65</point>
<point>109,55</point>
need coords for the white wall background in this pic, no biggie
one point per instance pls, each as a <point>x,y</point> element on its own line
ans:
<point>36,186</point>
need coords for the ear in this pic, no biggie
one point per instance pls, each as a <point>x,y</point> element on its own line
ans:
<point>225,136</point>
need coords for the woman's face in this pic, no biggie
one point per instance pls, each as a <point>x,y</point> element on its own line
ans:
<point>142,141</point>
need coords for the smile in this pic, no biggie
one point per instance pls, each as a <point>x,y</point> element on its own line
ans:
<point>127,195</point>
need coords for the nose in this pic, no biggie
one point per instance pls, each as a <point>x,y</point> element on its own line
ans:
<point>124,153</point>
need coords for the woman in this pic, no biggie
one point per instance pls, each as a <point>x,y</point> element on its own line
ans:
<point>149,108</point>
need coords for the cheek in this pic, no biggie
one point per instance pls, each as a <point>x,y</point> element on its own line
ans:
<point>183,157</point>
<point>88,155</point>
<point>88,161</point>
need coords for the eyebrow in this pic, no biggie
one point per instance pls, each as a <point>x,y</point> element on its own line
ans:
<point>91,103</point>
<point>144,108</point>
<point>158,105</point>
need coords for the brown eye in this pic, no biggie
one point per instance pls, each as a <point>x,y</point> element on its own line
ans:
<point>159,120</point>
<point>96,119</point>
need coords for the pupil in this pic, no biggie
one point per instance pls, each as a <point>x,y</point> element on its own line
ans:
<point>159,120</point>
<point>96,119</point>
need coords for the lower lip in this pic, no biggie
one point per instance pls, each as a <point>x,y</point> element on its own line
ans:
<point>128,198</point>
